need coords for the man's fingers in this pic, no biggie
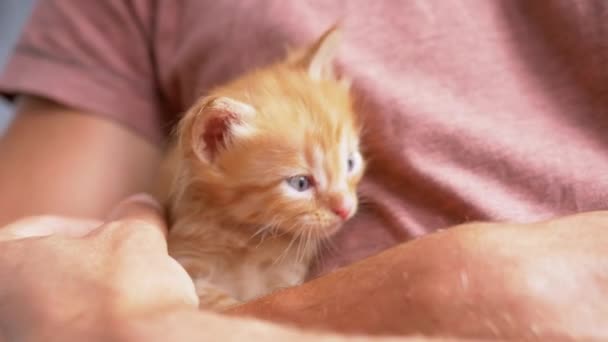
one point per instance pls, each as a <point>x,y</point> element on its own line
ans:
<point>137,220</point>
<point>40,226</point>
<point>140,207</point>
<point>138,227</point>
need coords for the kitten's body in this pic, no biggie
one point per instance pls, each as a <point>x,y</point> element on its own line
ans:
<point>236,266</point>
<point>259,174</point>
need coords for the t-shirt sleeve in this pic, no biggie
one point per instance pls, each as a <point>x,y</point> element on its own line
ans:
<point>95,56</point>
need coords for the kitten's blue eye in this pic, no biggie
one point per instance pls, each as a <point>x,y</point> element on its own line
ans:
<point>351,163</point>
<point>300,183</point>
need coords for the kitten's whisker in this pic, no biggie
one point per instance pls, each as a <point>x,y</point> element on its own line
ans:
<point>309,242</point>
<point>326,245</point>
<point>305,237</point>
<point>276,232</point>
<point>259,231</point>
<point>262,238</point>
<point>364,200</point>
<point>277,229</point>
<point>300,235</point>
<point>318,255</point>
<point>286,229</point>
<point>305,243</point>
<point>270,228</point>
<point>263,231</point>
<point>275,225</point>
<point>293,239</point>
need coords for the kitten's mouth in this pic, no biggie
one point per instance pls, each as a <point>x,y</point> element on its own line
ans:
<point>327,231</point>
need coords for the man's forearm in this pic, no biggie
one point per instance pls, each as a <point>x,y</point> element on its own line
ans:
<point>61,161</point>
<point>191,325</point>
<point>391,293</point>
<point>478,280</point>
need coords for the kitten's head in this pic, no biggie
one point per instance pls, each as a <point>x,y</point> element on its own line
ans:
<point>278,147</point>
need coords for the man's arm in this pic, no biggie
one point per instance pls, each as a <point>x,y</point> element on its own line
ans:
<point>540,281</point>
<point>136,292</point>
<point>544,281</point>
<point>57,160</point>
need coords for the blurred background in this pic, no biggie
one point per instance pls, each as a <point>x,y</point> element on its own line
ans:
<point>13,14</point>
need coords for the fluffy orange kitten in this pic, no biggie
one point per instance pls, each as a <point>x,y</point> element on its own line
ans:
<point>260,172</point>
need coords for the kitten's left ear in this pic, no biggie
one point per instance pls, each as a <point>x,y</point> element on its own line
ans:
<point>319,57</point>
<point>216,123</point>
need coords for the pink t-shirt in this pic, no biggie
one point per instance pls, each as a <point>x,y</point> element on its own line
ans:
<point>477,110</point>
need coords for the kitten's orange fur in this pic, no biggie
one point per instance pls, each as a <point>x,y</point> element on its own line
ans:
<point>238,226</point>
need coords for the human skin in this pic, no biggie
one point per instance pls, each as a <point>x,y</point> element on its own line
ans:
<point>115,280</point>
<point>547,279</point>
<point>64,279</point>
<point>62,161</point>
<point>61,272</point>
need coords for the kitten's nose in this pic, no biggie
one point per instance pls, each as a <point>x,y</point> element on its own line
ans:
<point>341,205</point>
<point>342,211</point>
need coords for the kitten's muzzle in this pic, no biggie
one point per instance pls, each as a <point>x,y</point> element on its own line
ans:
<point>343,211</point>
<point>341,206</point>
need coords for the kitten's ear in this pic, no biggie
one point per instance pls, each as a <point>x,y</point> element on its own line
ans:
<point>319,57</point>
<point>216,123</point>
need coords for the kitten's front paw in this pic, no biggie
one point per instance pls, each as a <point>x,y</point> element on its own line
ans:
<point>216,301</point>
<point>213,298</point>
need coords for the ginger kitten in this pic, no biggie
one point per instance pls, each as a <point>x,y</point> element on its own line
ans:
<point>260,172</point>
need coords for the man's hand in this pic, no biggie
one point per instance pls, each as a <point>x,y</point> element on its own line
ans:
<point>80,280</point>
<point>87,275</point>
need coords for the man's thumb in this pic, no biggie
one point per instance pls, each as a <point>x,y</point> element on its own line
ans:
<point>140,207</point>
